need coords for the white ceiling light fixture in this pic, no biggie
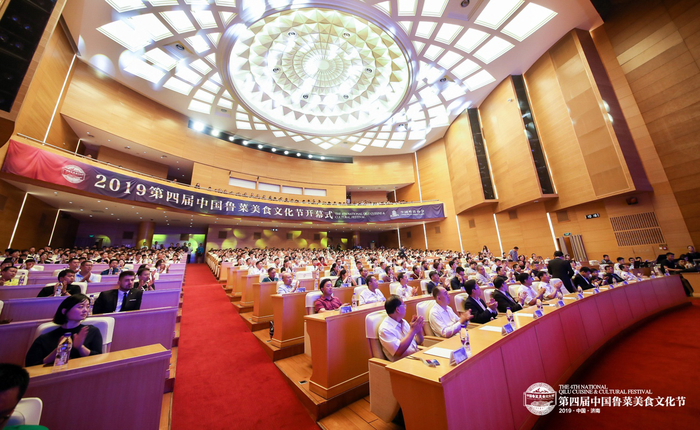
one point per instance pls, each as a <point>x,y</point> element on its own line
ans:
<point>198,43</point>
<point>425,29</point>
<point>528,21</point>
<point>471,39</point>
<point>496,12</point>
<point>407,7</point>
<point>434,8</point>
<point>198,106</point>
<point>493,49</point>
<point>151,25</point>
<point>200,66</point>
<point>161,59</point>
<point>126,5</point>
<point>145,71</point>
<point>178,20</point>
<point>178,86</point>
<point>204,18</point>
<point>123,34</point>
<point>479,80</point>
<point>185,73</point>
<point>448,32</point>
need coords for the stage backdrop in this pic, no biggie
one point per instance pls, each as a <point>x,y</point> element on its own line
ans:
<point>34,163</point>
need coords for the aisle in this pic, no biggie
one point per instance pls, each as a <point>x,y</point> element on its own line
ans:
<point>224,379</point>
<point>661,356</point>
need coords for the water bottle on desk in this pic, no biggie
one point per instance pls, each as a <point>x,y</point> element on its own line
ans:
<point>509,316</point>
<point>540,306</point>
<point>354,300</point>
<point>21,279</point>
<point>57,293</point>
<point>65,345</point>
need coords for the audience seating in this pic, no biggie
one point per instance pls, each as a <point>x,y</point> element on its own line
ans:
<point>27,412</point>
<point>459,302</point>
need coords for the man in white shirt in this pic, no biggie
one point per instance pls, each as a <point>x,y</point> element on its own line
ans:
<point>286,286</point>
<point>481,277</point>
<point>397,337</point>
<point>551,286</point>
<point>404,291</point>
<point>526,289</point>
<point>372,294</point>
<point>443,320</point>
<point>85,274</point>
<point>257,270</point>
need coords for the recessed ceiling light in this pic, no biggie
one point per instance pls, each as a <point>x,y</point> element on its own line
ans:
<point>496,12</point>
<point>286,152</point>
<point>298,154</point>
<point>274,149</point>
<point>245,142</point>
<point>260,147</point>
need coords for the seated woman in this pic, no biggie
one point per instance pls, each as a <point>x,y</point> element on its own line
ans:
<point>344,278</point>
<point>87,340</point>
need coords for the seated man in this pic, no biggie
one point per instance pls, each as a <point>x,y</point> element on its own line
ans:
<point>287,285</point>
<point>271,275</point>
<point>8,276</point>
<point>481,277</point>
<point>113,268</point>
<point>552,286</point>
<point>66,277</point>
<point>327,302</point>
<point>625,273</point>
<point>397,337</point>
<point>257,270</point>
<point>29,265</point>
<point>372,294</point>
<point>14,381</point>
<point>434,281</point>
<point>457,282</point>
<point>502,296</point>
<point>121,299</point>
<point>525,290</point>
<point>362,280</point>
<point>482,312</point>
<point>85,274</point>
<point>404,290</point>
<point>144,282</point>
<point>443,320</point>
<point>583,279</point>
<point>610,277</point>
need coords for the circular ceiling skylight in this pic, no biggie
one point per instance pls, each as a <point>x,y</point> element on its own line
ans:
<point>318,71</point>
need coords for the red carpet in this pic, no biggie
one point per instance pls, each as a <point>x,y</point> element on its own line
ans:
<point>662,356</point>
<point>223,379</point>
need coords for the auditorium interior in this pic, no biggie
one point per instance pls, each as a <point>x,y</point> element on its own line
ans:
<point>353,128</point>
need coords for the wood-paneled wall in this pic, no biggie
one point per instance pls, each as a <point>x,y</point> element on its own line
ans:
<point>127,114</point>
<point>463,166</point>
<point>370,196</point>
<point>244,236</point>
<point>10,202</point>
<point>512,166</point>
<point>36,114</point>
<point>128,161</point>
<point>657,46</point>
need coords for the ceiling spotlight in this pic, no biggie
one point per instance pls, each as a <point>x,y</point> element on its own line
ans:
<point>274,149</point>
<point>305,96</point>
<point>298,154</point>
<point>198,126</point>
<point>292,33</point>
<point>215,132</point>
<point>345,96</point>
<point>346,35</point>
<point>245,142</point>
<point>465,3</point>
<point>260,147</point>
<point>311,156</point>
<point>179,47</point>
<point>323,158</point>
<point>443,79</point>
<point>230,138</point>
<point>275,69</point>
<point>127,147</point>
<point>163,156</point>
<point>286,152</point>
<point>369,70</point>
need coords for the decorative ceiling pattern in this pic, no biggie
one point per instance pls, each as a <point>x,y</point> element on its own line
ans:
<point>344,76</point>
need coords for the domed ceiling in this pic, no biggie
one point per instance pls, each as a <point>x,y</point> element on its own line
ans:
<point>348,78</point>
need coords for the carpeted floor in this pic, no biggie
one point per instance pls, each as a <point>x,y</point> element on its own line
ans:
<point>224,379</point>
<point>664,357</point>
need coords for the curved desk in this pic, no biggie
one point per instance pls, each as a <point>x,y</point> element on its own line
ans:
<point>548,350</point>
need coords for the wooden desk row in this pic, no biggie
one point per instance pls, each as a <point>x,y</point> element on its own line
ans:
<point>43,278</point>
<point>131,330</point>
<point>45,307</point>
<point>31,291</point>
<point>545,350</point>
<point>113,391</point>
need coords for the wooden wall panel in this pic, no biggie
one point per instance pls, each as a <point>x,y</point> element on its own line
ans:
<point>435,185</point>
<point>483,231</point>
<point>35,224</point>
<point>43,94</point>
<point>463,166</point>
<point>650,53</point>
<point>513,169</point>
<point>10,203</point>
<point>132,116</point>
<point>530,231</point>
<point>370,196</point>
<point>128,161</point>
<point>244,236</point>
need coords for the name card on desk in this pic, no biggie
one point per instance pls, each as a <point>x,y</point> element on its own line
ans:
<point>345,309</point>
<point>596,290</point>
<point>457,356</point>
<point>560,303</point>
<point>579,296</point>
<point>537,314</point>
<point>507,329</point>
